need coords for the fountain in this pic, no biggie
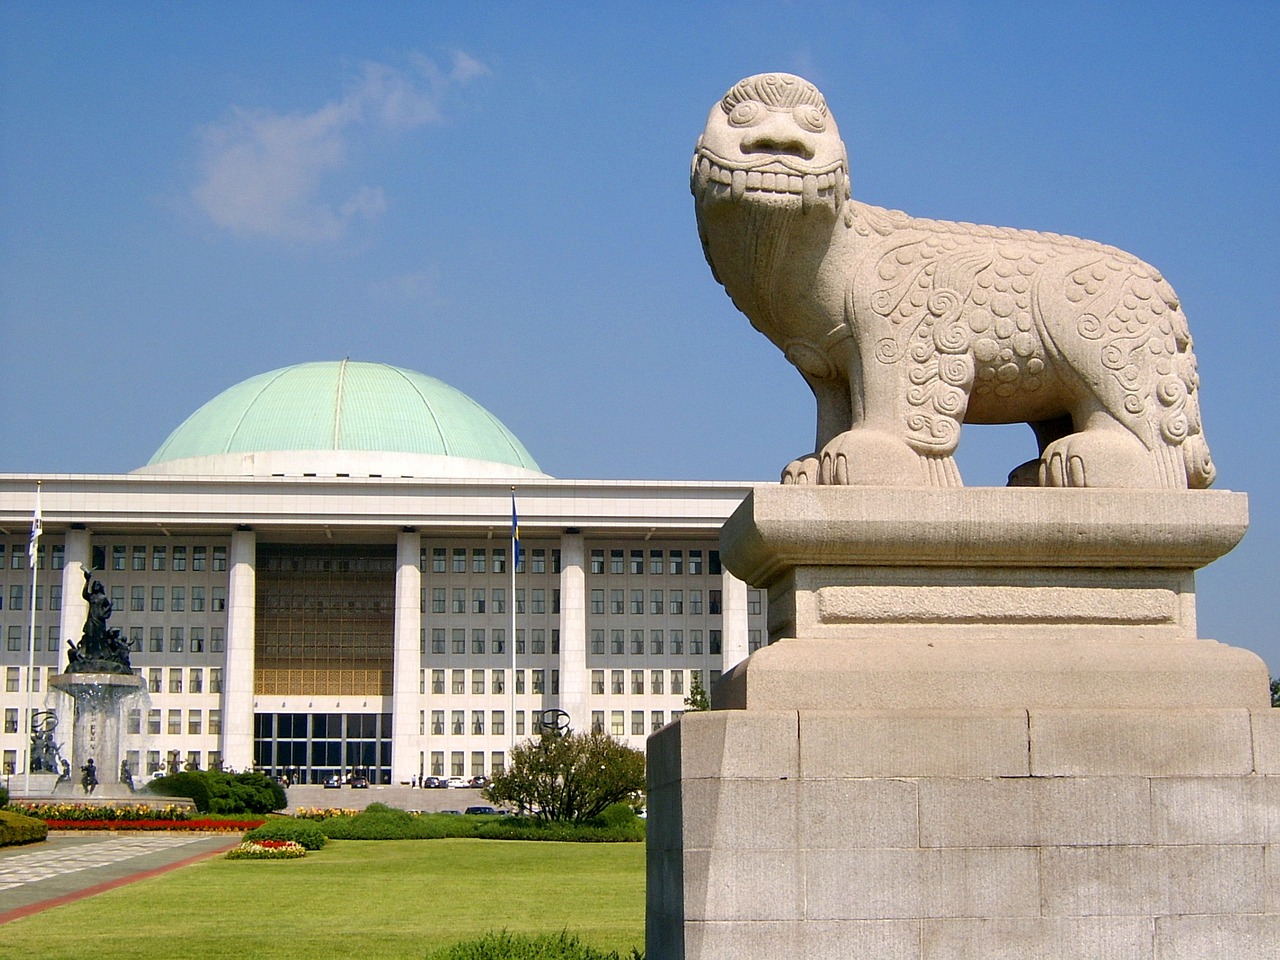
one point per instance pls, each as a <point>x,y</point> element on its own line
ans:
<point>99,679</point>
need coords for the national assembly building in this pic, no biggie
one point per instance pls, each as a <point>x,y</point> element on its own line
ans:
<point>314,575</point>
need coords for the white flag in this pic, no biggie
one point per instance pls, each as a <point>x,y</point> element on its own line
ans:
<point>36,527</point>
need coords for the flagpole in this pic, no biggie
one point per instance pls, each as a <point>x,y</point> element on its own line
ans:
<point>511,637</point>
<point>32,549</point>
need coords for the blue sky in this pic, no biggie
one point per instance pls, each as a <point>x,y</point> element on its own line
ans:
<point>497,195</point>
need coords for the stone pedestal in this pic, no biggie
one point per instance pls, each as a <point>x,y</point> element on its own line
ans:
<point>100,700</point>
<point>985,727</point>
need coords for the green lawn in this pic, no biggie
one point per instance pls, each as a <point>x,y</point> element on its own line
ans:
<point>367,899</point>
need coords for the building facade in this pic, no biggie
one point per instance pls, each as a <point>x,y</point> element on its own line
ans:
<point>312,611</point>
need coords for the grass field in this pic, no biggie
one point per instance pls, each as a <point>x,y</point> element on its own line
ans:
<point>376,900</point>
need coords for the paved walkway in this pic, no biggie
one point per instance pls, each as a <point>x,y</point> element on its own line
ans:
<point>70,865</point>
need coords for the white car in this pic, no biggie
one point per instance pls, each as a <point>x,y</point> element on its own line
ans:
<point>455,782</point>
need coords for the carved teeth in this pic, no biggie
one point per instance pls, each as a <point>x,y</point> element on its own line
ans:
<point>753,180</point>
<point>810,193</point>
<point>739,184</point>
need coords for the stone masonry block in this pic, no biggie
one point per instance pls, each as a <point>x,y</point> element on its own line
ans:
<point>1020,938</point>
<point>742,885</point>
<point>735,744</point>
<point>921,884</point>
<point>1158,743</point>
<point>1266,741</point>
<point>914,743</point>
<point>1151,880</point>
<point>1034,811</point>
<point>843,939</point>
<point>709,940</point>
<point>1210,938</point>
<point>1216,810</point>
<point>844,814</point>
<point>740,814</point>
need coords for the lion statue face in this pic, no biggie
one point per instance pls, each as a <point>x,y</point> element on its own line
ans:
<point>772,142</point>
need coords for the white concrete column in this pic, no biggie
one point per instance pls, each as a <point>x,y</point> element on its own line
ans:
<point>407,661</point>
<point>573,631</point>
<point>237,689</point>
<point>733,620</point>
<point>74,608</point>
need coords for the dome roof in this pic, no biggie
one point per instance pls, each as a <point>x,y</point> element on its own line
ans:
<point>343,417</point>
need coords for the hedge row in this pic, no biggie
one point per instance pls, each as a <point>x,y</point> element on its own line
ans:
<point>305,832</point>
<point>515,946</point>
<point>380,822</point>
<point>16,828</point>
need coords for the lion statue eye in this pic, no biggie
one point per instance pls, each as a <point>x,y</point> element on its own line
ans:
<point>744,113</point>
<point>811,118</point>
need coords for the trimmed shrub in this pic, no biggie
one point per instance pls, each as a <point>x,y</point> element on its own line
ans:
<point>192,784</point>
<point>4,795</point>
<point>617,815</point>
<point>216,792</point>
<point>305,832</point>
<point>16,828</point>
<point>516,946</point>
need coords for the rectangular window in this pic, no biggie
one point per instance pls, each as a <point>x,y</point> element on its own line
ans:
<point>637,561</point>
<point>753,602</point>
<point>437,723</point>
<point>498,727</point>
<point>155,678</point>
<point>459,559</point>
<point>539,683</point>
<point>714,642</point>
<point>655,562</point>
<point>177,639</point>
<point>194,721</point>
<point>497,682</point>
<point>437,559</point>
<point>695,642</point>
<point>158,558</point>
<point>459,640</point>
<point>156,642</point>
<point>655,642</point>
<point>153,722</point>
<point>220,559</point>
<point>215,679</point>
<point>637,723</point>
<point>215,722</point>
<point>676,602</point>
<point>597,721</point>
<point>597,561</point>
<point>538,560</point>
<point>458,682</point>
<point>437,763</point>
<point>218,602</point>
<point>655,601</point>
<point>637,682</point>
<point>477,641</point>
<point>499,638</point>
<point>478,596</point>
<point>137,599</point>
<point>695,601</point>
<point>179,558</point>
<point>754,640</point>
<point>617,681</point>
<point>597,642</point>
<point>477,681</point>
<point>11,720</point>
<point>657,723</point>
<point>597,601</point>
<point>13,641</point>
<point>459,599</point>
<point>637,643</point>
<point>175,680</point>
<point>437,600</point>
<point>198,558</point>
<point>637,601</point>
<point>615,566</point>
<point>617,723</point>
<point>196,684</point>
<point>178,598</point>
<point>618,642</point>
<point>477,722</point>
<point>519,723</point>
<point>500,560</point>
<point>139,561</point>
<point>217,639</point>
<point>539,642</point>
<point>597,682</point>
<point>714,603</point>
<point>555,682</point>
<point>695,561</point>
<point>677,682</point>
<point>617,603</point>
<point>55,596</point>
<point>713,563</point>
<point>519,599</point>
<point>520,643</point>
<point>457,722</point>
<point>655,681</point>
<point>519,682</point>
<point>11,679</point>
<point>499,599</point>
<point>675,562</point>
<point>15,595</point>
<point>479,560</point>
<point>437,681</point>
<point>133,723</point>
<point>539,601</point>
<point>117,557</point>
<point>157,599</point>
<point>677,641</point>
<point>437,640</point>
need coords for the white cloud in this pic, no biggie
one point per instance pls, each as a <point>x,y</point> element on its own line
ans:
<point>273,175</point>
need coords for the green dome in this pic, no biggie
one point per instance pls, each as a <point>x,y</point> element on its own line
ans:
<point>344,406</point>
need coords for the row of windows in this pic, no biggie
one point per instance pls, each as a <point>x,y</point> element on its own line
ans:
<point>455,600</point>
<point>175,597</point>
<point>618,720</point>
<point>670,562</point>
<point>17,592</point>
<point>660,642</point>
<point>173,721</point>
<point>660,602</point>
<point>132,757</point>
<point>458,681</point>
<point>162,558</point>
<point>195,679</point>
<point>18,556</point>
<point>457,759</point>
<point>495,641</point>
<point>618,681</point>
<point>485,560</point>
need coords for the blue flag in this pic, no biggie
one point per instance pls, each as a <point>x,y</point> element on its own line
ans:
<point>515,536</point>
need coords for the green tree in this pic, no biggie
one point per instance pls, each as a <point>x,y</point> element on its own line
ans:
<point>569,777</point>
<point>1275,693</point>
<point>697,698</point>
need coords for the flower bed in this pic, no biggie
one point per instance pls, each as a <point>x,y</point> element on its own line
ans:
<point>267,850</point>
<point>129,816</point>
<point>324,813</point>
<point>215,826</point>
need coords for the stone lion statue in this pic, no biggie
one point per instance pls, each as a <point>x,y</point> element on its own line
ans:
<point>905,328</point>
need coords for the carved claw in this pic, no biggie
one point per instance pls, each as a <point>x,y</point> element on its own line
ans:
<point>1098,458</point>
<point>805,470</point>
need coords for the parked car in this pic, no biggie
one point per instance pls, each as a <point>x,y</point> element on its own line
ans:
<point>333,783</point>
<point>456,783</point>
<point>433,783</point>
<point>479,782</point>
<point>359,783</point>
<point>481,810</point>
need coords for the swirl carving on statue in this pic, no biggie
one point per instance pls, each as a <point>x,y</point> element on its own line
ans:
<point>942,323</point>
